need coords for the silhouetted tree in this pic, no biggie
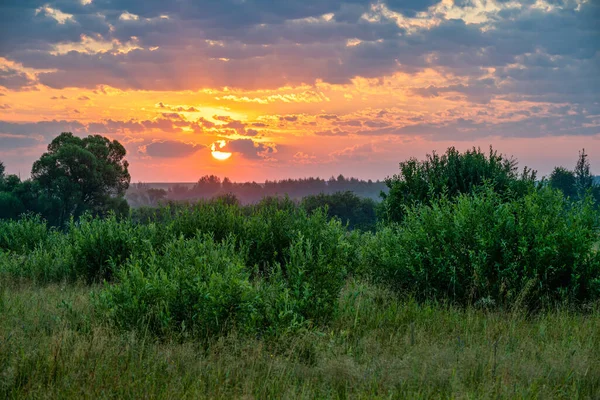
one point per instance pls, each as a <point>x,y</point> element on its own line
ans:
<point>584,181</point>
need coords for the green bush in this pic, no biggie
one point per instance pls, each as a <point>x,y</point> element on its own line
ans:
<point>195,285</point>
<point>538,249</point>
<point>449,175</point>
<point>101,245</point>
<point>316,274</point>
<point>51,261</point>
<point>23,235</point>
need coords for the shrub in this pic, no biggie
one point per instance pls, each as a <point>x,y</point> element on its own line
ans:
<point>195,285</point>
<point>315,274</point>
<point>452,174</point>
<point>101,245</point>
<point>50,261</point>
<point>23,235</point>
<point>481,247</point>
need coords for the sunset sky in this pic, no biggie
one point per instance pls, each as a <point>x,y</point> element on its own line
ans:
<point>300,88</point>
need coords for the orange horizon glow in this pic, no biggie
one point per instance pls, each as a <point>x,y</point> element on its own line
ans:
<point>337,93</point>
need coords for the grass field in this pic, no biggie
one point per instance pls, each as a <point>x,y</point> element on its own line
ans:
<point>376,346</point>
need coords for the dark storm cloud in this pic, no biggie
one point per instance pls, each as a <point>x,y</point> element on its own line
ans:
<point>170,148</point>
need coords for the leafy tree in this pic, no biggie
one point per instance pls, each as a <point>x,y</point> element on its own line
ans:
<point>207,185</point>
<point>357,212</point>
<point>82,174</point>
<point>156,195</point>
<point>2,169</point>
<point>10,205</point>
<point>451,174</point>
<point>564,180</point>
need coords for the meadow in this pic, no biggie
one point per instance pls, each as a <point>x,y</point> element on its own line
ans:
<point>481,296</point>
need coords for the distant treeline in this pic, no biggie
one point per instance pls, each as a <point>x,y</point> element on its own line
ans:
<point>79,176</point>
<point>208,186</point>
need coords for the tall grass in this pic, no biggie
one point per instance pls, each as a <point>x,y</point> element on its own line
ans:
<point>54,345</point>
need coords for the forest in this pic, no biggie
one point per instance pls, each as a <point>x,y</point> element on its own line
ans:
<point>468,277</point>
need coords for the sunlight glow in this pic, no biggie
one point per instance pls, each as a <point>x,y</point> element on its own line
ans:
<point>217,154</point>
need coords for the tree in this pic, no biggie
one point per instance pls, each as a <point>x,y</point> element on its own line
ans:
<point>156,195</point>
<point>1,171</point>
<point>451,174</point>
<point>564,180</point>
<point>207,185</point>
<point>83,174</point>
<point>584,180</point>
<point>357,212</point>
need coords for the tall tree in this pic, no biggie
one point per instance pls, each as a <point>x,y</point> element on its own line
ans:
<point>83,174</point>
<point>584,180</point>
<point>564,180</point>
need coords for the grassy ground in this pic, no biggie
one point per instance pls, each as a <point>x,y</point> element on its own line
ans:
<point>51,346</point>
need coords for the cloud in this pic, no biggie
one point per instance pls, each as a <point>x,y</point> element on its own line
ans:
<point>328,116</point>
<point>15,80</point>
<point>47,129</point>
<point>4,107</point>
<point>249,149</point>
<point>332,132</point>
<point>17,141</point>
<point>359,152</point>
<point>177,108</point>
<point>304,158</point>
<point>169,149</point>
<point>83,98</point>
<point>352,122</point>
<point>528,52</point>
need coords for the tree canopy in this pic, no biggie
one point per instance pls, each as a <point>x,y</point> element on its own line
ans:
<point>451,174</point>
<point>75,175</point>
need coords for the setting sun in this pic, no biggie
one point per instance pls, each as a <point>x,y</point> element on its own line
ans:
<point>217,154</point>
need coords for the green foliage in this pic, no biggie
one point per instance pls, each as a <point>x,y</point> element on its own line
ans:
<point>99,246</point>
<point>193,285</point>
<point>74,176</point>
<point>23,235</point>
<point>10,206</point>
<point>201,287</point>
<point>564,180</point>
<point>316,274</point>
<point>84,174</point>
<point>357,212</point>
<point>537,249</point>
<point>50,260</point>
<point>454,173</point>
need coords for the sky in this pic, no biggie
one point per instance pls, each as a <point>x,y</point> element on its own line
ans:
<point>298,88</point>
